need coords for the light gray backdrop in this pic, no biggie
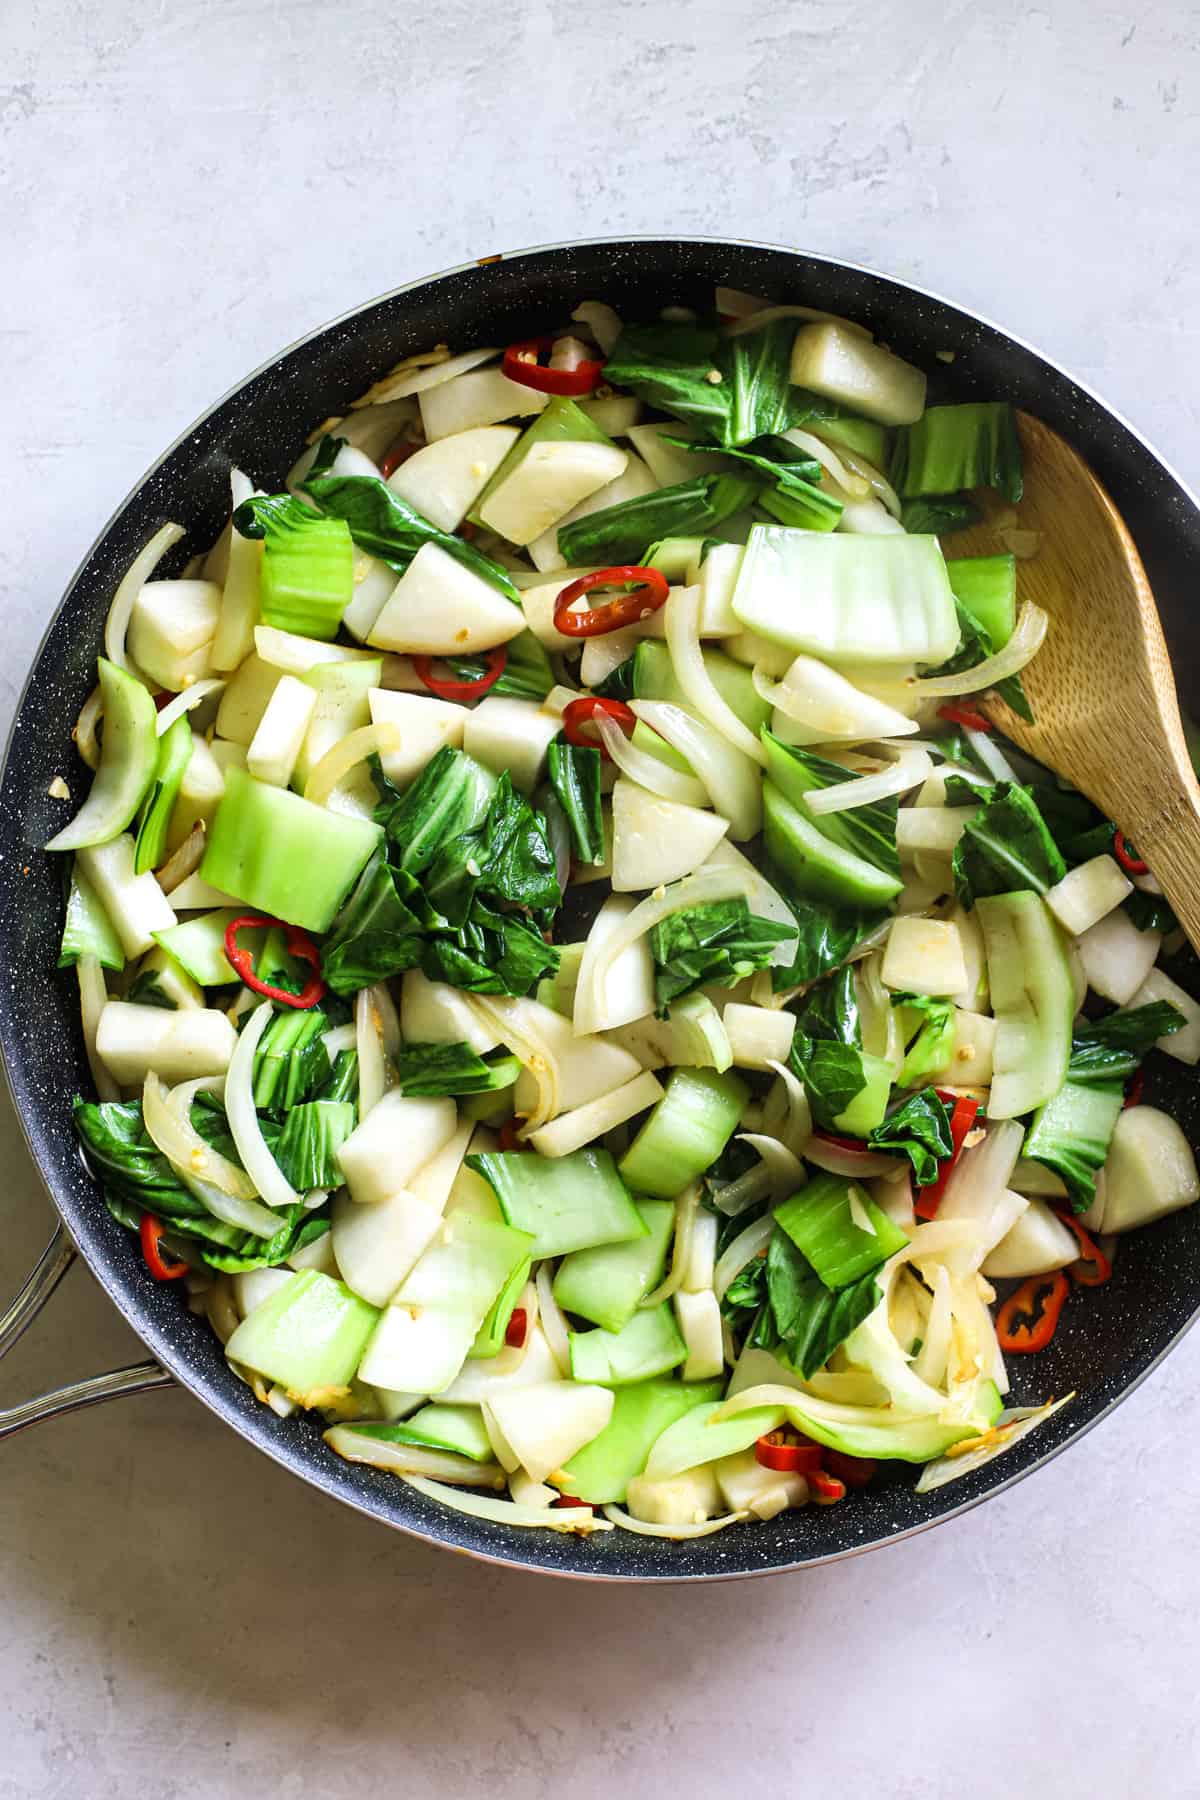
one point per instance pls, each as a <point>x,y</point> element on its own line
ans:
<point>187,187</point>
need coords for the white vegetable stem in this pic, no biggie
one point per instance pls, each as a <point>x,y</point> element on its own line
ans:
<point>256,1159</point>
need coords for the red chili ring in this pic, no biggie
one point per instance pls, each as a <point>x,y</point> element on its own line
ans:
<point>521,364</point>
<point>969,716</point>
<point>784,1457</point>
<point>1137,1084</point>
<point>1125,855</point>
<point>578,713</point>
<point>497,662</point>
<point>299,945</point>
<point>629,609</point>
<point>397,453</point>
<point>150,1231</point>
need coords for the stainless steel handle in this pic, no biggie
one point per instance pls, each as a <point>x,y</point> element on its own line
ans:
<point>49,1270</point>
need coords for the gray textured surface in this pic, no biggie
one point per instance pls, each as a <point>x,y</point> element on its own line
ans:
<point>183,191</point>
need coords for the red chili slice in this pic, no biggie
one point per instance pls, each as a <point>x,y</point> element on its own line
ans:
<point>855,1471</point>
<point>518,1324</point>
<point>825,1489</point>
<point>150,1232</point>
<point>1093,1268</point>
<point>1137,1084</point>
<point>969,716</point>
<point>398,453</point>
<point>447,689</point>
<point>614,615</point>
<point>577,713</point>
<point>1028,1319</point>
<point>855,1146</point>
<point>299,945</point>
<point>569,1500</point>
<point>507,1138</point>
<point>961,1120</point>
<point>786,1454</point>
<point>521,364</point>
<point>1127,856</point>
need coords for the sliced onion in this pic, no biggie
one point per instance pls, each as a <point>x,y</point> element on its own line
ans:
<point>410,1459</point>
<point>687,1205</point>
<point>910,768</point>
<point>167,1118</point>
<point>371,1074</point>
<point>243,1215</point>
<point>798,1130</point>
<point>84,733</point>
<point>649,772</point>
<point>559,698</point>
<point>342,1037</point>
<point>93,998</point>
<point>683,641</point>
<point>567,1519</point>
<point>760,897</point>
<point>187,700</point>
<point>1021,648</point>
<point>220,1308</point>
<point>273,1186</point>
<point>554,1326</point>
<point>990,754</point>
<point>754,321</point>
<point>705,886</point>
<point>735,1197</point>
<point>931,1359</point>
<point>680,1533</point>
<point>783,1165</point>
<point>132,582</point>
<point>514,1023</point>
<point>858,1165</point>
<point>963,1458</point>
<point>346,754</point>
<point>184,861</point>
<point>737,797</point>
<point>856,487</point>
<point>741,1251</point>
<point>879,484</point>
<point>417,374</point>
<point>603,323</point>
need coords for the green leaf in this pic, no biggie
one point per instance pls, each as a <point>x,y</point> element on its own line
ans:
<point>621,534</point>
<point>866,831</point>
<point>826,1050</point>
<point>527,672</point>
<point>756,366</point>
<point>920,1130</point>
<point>380,931</point>
<point>811,1320</point>
<point>716,944</point>
<point>940,515</point>
<point>291,1061</point>
<point>144,990</point>
<point>829,1012</point>
<point>974,647</point>
<point>450,796</point>
<point>312,1135</point>
<point>1111,1049</point>
<point>308,563</point>
<point>388,527</point>
<point>827,933</point>
<point>1149,912</point>
<point>432,1069</point>
<point>669,366</point>
<point>1006,847</point>
<point>950,448</point>
<point>574,771</point>
<point>929,1030</point>
<point>839,1229</point>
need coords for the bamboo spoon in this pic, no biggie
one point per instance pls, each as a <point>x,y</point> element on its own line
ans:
<point>1101,688</point>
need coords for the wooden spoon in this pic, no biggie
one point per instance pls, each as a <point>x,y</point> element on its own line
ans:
<point>1101,688</point>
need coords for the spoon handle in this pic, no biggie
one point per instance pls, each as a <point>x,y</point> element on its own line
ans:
<point>1168,838</point>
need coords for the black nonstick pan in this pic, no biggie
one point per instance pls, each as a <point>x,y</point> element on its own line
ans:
<point>1107,1342</point>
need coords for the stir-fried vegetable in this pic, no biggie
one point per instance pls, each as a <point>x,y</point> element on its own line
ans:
<point>570,943</point>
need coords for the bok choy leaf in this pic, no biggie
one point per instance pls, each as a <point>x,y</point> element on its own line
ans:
<point>1007,846</point>
<point>622,533</point>
<point>920,1130</point>
<point>430,1069</point>
<point>1111,1049</point>
<point>574,771</point>
<point>715,944</point>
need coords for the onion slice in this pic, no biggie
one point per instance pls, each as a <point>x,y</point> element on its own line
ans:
<point>131,584</point>
<point>274,1187</point>
<point>735,1197</point>
<point>506,1512</point>
<point>858,1165</point>
<point>84,734</point>
<point>1027,639</point>
<point>650,772</point>
<point>754,321</point>
<point>733,787</point>
<point>167,1118</point>
<point>93,998</point>
<point>910,768</point>
<point>410,1459</point>
<point>184,702</point>
<point>371,1074</point>
<point>346,754</point>
<point>184,861</point>
<point>687,1205</point>
<point>705,886</point>
<point>683,641</point>
<point>554,1325</point>
<point>679,1533</point>
<point>417,374</point>
<point>784,1166</point>
<point>603,323</point>
<point>798,1128</point>
<point>510,1020</point>
<point>740,1251</point>
<point>857,487</point>
<point>879,484</point>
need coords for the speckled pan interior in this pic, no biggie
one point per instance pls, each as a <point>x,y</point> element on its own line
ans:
<point>1109,1338</point>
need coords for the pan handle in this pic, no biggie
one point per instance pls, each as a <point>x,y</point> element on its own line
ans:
<point>49,1270</point>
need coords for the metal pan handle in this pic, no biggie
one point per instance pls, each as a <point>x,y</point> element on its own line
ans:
<point>49,1270</point>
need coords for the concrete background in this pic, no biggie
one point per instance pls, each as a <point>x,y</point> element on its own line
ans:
<point>185,188</point>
